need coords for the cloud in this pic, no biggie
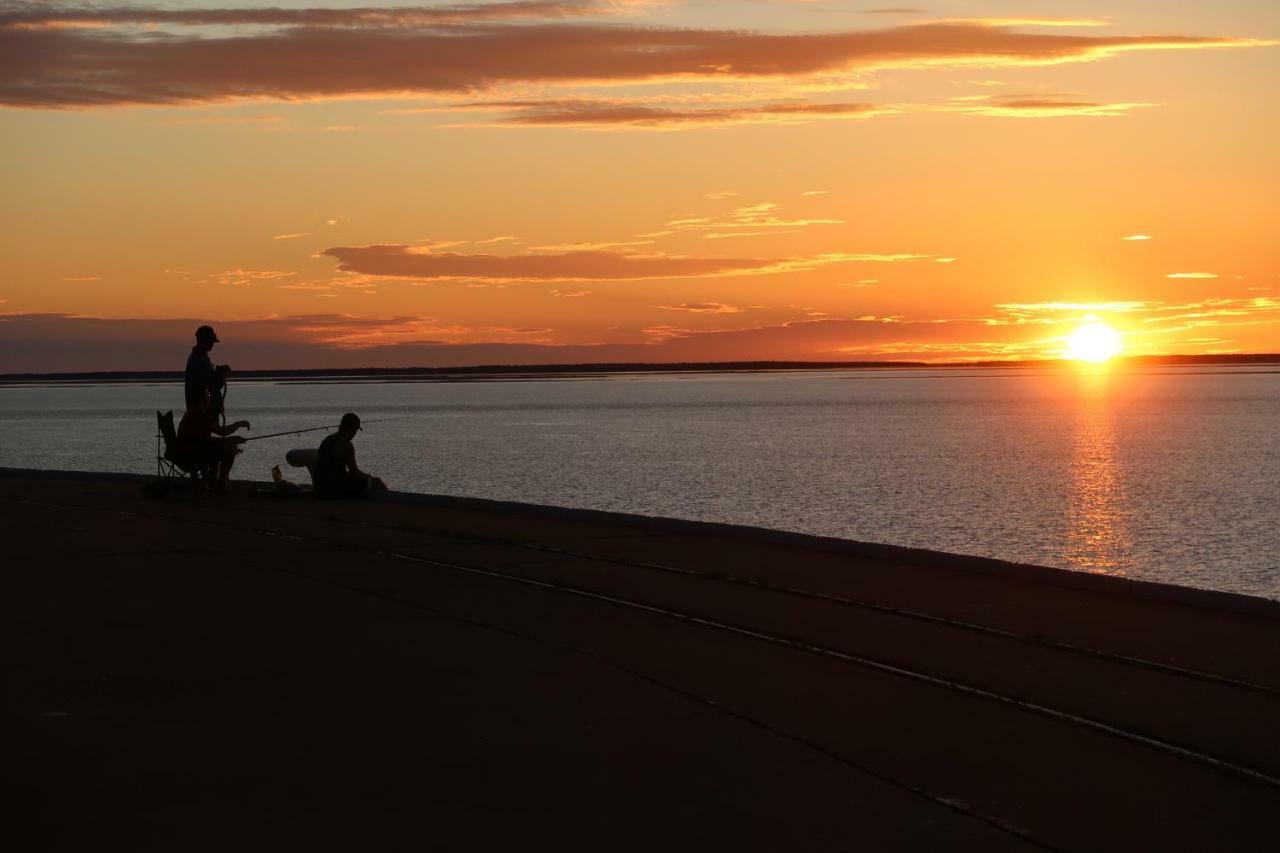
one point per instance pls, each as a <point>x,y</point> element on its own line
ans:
<point>1039,106</point>
<point>1136,237</point>
<point>814,192</point>
<point>320,286</point>
<point>349,332</point>
<point>864,257</point>
<point>54,342</point>
<point>1214,312</point>
<point>590,247</point>
<point>302,57</point>
<point>599,113</point>
<point>1151,317</point>
<point>752,220</point>
<point>702,308</point>
<point>592,265</point>
<point>1001,23</point>
<point>244,278</point>
<point>713,235</point>
<point>59,342</point>
<point>82,278</point>
<point>1192,275</point>
<point>89,17</point>
<point>1073,307</point>
<point>426,263</point>
<point>290,236</point>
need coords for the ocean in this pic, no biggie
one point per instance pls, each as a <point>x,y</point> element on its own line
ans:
<point>1168,474</point>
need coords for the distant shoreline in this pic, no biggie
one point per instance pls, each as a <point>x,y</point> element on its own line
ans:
<point>512,371</point>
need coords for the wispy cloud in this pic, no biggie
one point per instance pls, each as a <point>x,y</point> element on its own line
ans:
<point>1152,316</point>
<point>590,247</point>
<point>702,308</point>
<point>1192,275</point>
<point>620,113</point>
<point>754,220</point>
<point>244,278</point>
<point>1137,237</point>
<point>1039,106</point>
<point>1002,23</point>
<point>82,278</point>
<point>403,261</point>
<point>291,236</point>
<point>305,55</point>
<point>36,17</point>
<point>429,263</point>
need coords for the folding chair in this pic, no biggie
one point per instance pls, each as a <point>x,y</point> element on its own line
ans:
<point>172,465</point>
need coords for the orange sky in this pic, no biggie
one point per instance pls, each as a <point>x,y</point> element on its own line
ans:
<point>546,181</point>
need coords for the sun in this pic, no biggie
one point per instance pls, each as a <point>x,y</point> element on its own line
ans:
<point>1095,342</point>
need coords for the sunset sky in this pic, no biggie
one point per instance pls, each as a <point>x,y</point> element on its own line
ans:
<point>558,181</point>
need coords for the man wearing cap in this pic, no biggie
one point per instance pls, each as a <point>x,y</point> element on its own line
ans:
<point>336,473</point>
<point>200,373</point>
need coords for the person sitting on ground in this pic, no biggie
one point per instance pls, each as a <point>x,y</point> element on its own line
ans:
<point>336,474</point>
<point>210,445</point>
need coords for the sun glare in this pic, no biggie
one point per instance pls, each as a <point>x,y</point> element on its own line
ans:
<point>1094,342</point>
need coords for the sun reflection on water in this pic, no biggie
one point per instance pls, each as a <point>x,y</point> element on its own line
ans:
<point>1098,531</point>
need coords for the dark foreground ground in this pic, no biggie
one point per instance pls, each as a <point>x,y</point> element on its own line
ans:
<point>264,673</point>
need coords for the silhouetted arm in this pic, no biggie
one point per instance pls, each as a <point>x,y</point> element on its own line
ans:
<point>231,428</point>
<point>375,483</point>
<point>351,461</point>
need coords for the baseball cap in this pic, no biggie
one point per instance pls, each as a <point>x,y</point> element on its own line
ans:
<point>351,419</point>
<point>206,332</point>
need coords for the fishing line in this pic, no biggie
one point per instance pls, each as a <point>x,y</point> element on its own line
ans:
<point>315,429</point>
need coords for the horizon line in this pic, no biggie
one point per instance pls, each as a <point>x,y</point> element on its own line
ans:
<point>629,367</point>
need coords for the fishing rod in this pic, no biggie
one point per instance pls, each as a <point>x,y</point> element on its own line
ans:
<point>315,429</point>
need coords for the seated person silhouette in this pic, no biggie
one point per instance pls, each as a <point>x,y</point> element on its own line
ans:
<point>210,446</point>
<point>336,473</point>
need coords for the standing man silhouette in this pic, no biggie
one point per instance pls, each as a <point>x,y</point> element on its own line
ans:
<point>200,373</point>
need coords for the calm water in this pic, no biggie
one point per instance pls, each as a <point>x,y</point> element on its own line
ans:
<point>1168,474</point>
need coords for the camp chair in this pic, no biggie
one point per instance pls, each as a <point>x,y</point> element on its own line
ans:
<point>172,465</point>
